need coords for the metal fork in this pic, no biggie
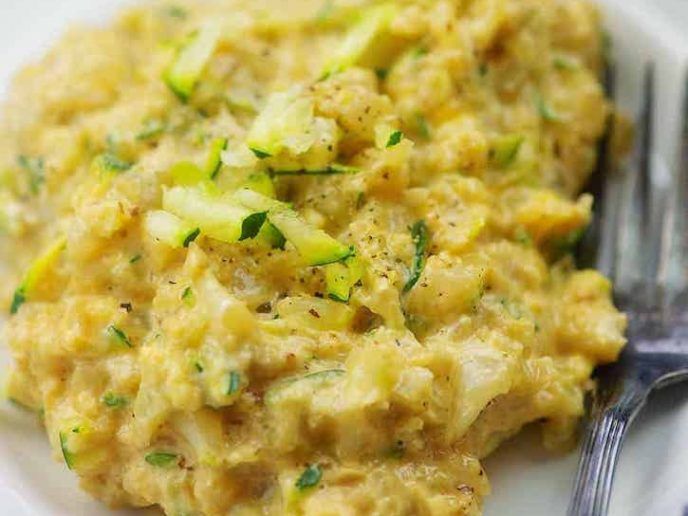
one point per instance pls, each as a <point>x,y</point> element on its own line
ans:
<point>641,242</point>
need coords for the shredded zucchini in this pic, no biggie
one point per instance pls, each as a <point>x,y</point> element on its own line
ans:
<point>271,236</point>
<point>284,124</point>
<point>217,217</point>
<point>161,459</point>
<point>341,277</point>
<point>317,378</point>
<point>191,59</point>
<point>359,39</point>
<point>170,229</point>
<point>314,245</point>
<point>332,169</point>
<point>186,173</point>
<point>505,149</point>
<point>214,162</point>
<point>36,272</point>
<point>69,457</point>
<point>260,182</point>
<point>239,156</point>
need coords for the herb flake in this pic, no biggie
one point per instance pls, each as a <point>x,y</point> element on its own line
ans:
<point>394,139</point>
<point>234,383</point>
<point>113,400</point>
<point>251,225</point>
<point>309,478</point>
<point>260,154</point>
<point>18,299</point>
<point>421,238</point>
<point>119,336</point>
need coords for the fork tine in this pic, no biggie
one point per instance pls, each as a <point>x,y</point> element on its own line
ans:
<point>645,145</point>
<point>605,187</point>
<point>675,257</point>
<point>638,248</point>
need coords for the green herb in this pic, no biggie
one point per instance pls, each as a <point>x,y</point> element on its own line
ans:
<point>191,237</point>
<point>422,126</point>
<point>251,225</point>
<point>151,128</point>
<point>135,258</point>
<point>161,459</point>
<point>118,336</point>
<point>309,478</point>
<point>187,294</point>
<point>18,299</point>
<point>483,69</point>
<point>421,238</point>
<point>36,169</point>
<point>114,401</point>
<point>260,154</point>
<point>394,139</point>
<point>381,73</point>
<point>334,168</point>
<point>234,382</point>
<point>546,111</point>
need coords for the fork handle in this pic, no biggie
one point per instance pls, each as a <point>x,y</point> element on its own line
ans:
<point>609,421</point>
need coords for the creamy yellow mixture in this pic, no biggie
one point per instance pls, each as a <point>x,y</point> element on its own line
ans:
<point>305,257</point>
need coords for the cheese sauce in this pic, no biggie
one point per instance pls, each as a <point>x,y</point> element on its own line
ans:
<point>308,257</point>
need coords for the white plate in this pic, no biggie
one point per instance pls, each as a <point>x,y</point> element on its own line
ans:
<point>652,477</point>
